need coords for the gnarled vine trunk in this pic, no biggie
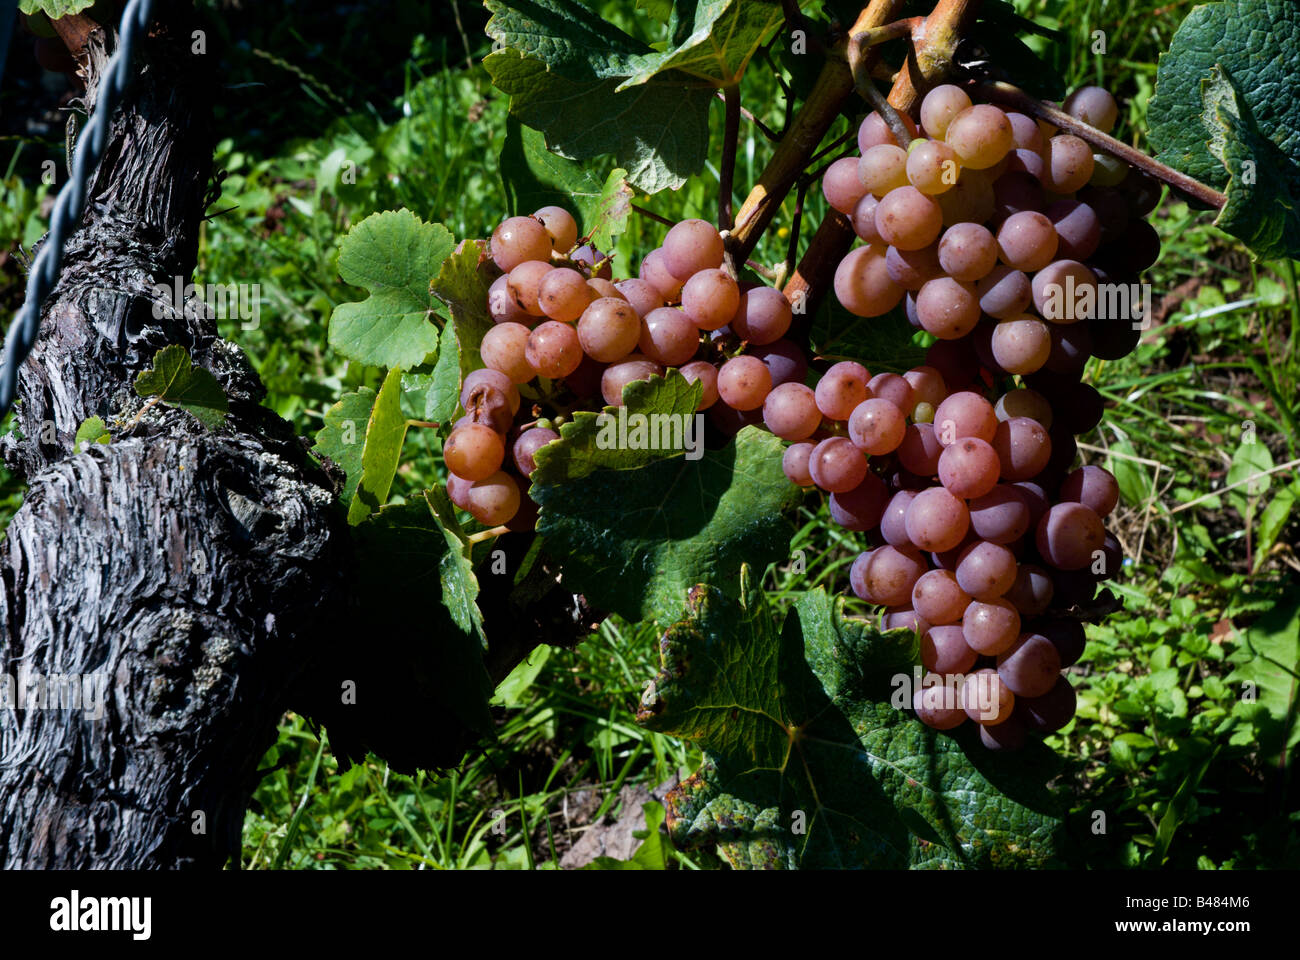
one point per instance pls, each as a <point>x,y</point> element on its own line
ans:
<point>183,570</point>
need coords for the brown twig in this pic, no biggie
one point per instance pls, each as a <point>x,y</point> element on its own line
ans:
<point>1012,96</point>
<point>802,135</point>
<point>652,215</point>
<point>730,136</point>
<point>763,128</point>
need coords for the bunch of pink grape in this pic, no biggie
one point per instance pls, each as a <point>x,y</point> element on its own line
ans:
<point>576,337</point>
<point>998,236</point>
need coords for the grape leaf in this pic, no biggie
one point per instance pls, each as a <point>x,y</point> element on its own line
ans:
<point>405,559</point>
<point>385,434</point>
<point>1258,43</point>
<point>54,9</point>
<point>1228,92</point>
<point>92,430</point>
<point>884,343</point>
<point>461,285</point>
<point>657,131</point>
<point>459,583</point>
<point>394,255</point>
<point>175,380</point>
<point>534,177</point>
<point>806,762</point>
<point>635,528</point>
<point>343,437</point>
<point>713,41</point>
<point>1261,207</point>
<point>1272,644</point>
<point>433,394</point>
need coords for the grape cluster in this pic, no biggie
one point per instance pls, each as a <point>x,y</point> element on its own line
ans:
<point>996,233</point>
<point>576,337</point>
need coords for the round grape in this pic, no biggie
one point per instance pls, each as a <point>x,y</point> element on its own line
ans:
<point>519,239</point>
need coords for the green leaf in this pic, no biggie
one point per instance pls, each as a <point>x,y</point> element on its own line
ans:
<point>461,285</point>
<point>1272,521</point>
<point>176,381</point>
<point>807,763</point>
<point>661,10</point>
<point>394,255</point>
<point>1250,465</point>
<point>406,559</point>
<point>534,177</point>
<point>1261,207</point>
<point>635,528</point>
<point>459,583</point>
<point>657,131</point>
<point>511,692</point>
<point>343,438</point>
<point>54,9</point>
<point>385,434</point>
<point>714,42</point>
<point>1258,43</point>
<point>433,395</point>
<point>1273,644</point>
<point>884,343</point>
<point>1228,92</point>
<point>92,430</point>
<point>564,35</point>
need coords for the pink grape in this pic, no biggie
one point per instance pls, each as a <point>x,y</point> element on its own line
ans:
<point>965,414</point>
<point>877,427</point>
<point>1094,487</point>
<point>1027,241</point>
<point>494,500</point>
<point>940,106</point>
<point>938,707</point>
<point>910,269</point>
<point>920,450</point>
<point>668,336</point>
<point>654,271</point>
<point>939,598</point>
<point>1004,292</point>
<point>986,570</point>
<point>1067,535</point>
<point>981,135</point>
<point>619,375</point>
<point>944,650</point>
<point>936,520</point>
<point>860,508</point>
<point>504,347</point>
<point>744,383</point>
<point>560,227</point>
<point>841,186</point>
<point>790,411</point>
<point>491,378</point>
<point>990,626</point>
<point>864,219</point>
<point>691,246</point>
<point>563,294</point>
<point>1030,666</point>
<point>948,308</point>
<point>701,371</point>
<point>886,575</point>
<point>763,316</point>
<point>710,298</point>
<point>836,465</point>
<point>1094,106</point>
<point>643,295</point>
<point>1001,516</point>
<point>795,464</point>
<point>519,239</point>
<point>502,306</point>
<point>1023,448</point>
<point>841,389</point>
<point>862,283</point>
<point>967,251</point>
<point>526,446</point>
<point>968,468</point>
<point>986,699</point>
<point>474,451</point>
<point>1068,164</point>
<point>893,520</point>
<point>906,218</point>
<point>897,390</point>
<point>1032,592</point>
<point>526,284</point>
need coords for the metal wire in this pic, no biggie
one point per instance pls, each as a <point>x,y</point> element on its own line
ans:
<point>71,202</point>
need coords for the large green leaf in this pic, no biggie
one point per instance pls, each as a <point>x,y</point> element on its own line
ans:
<point>1227,112</point>
<point>382,449</point>
<point>562,67</point>
<point>711,39</point>
<point>534,177</point>
<point>806,762</point>
<point>407,562</point>
<point>175,380</point>
<point>395,255</point>
<point>343,438</point>
<point>462,286</point>
<point>657,131</point>
<point>1270,663</point>
<point>1261,207</point>
<point>459,583</point>
<point>635,528</point>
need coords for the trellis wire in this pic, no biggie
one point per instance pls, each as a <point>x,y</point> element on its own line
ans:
<point>71,201</point>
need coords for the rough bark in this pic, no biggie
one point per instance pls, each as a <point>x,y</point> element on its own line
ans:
<point>187,566</point>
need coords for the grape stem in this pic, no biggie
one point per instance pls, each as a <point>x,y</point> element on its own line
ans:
<point>890,31</point>
<point>1005,93</point>
<point>730,136</point>
<point>487,535</point>
<point>762,127</point>
<point>653,216</point>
